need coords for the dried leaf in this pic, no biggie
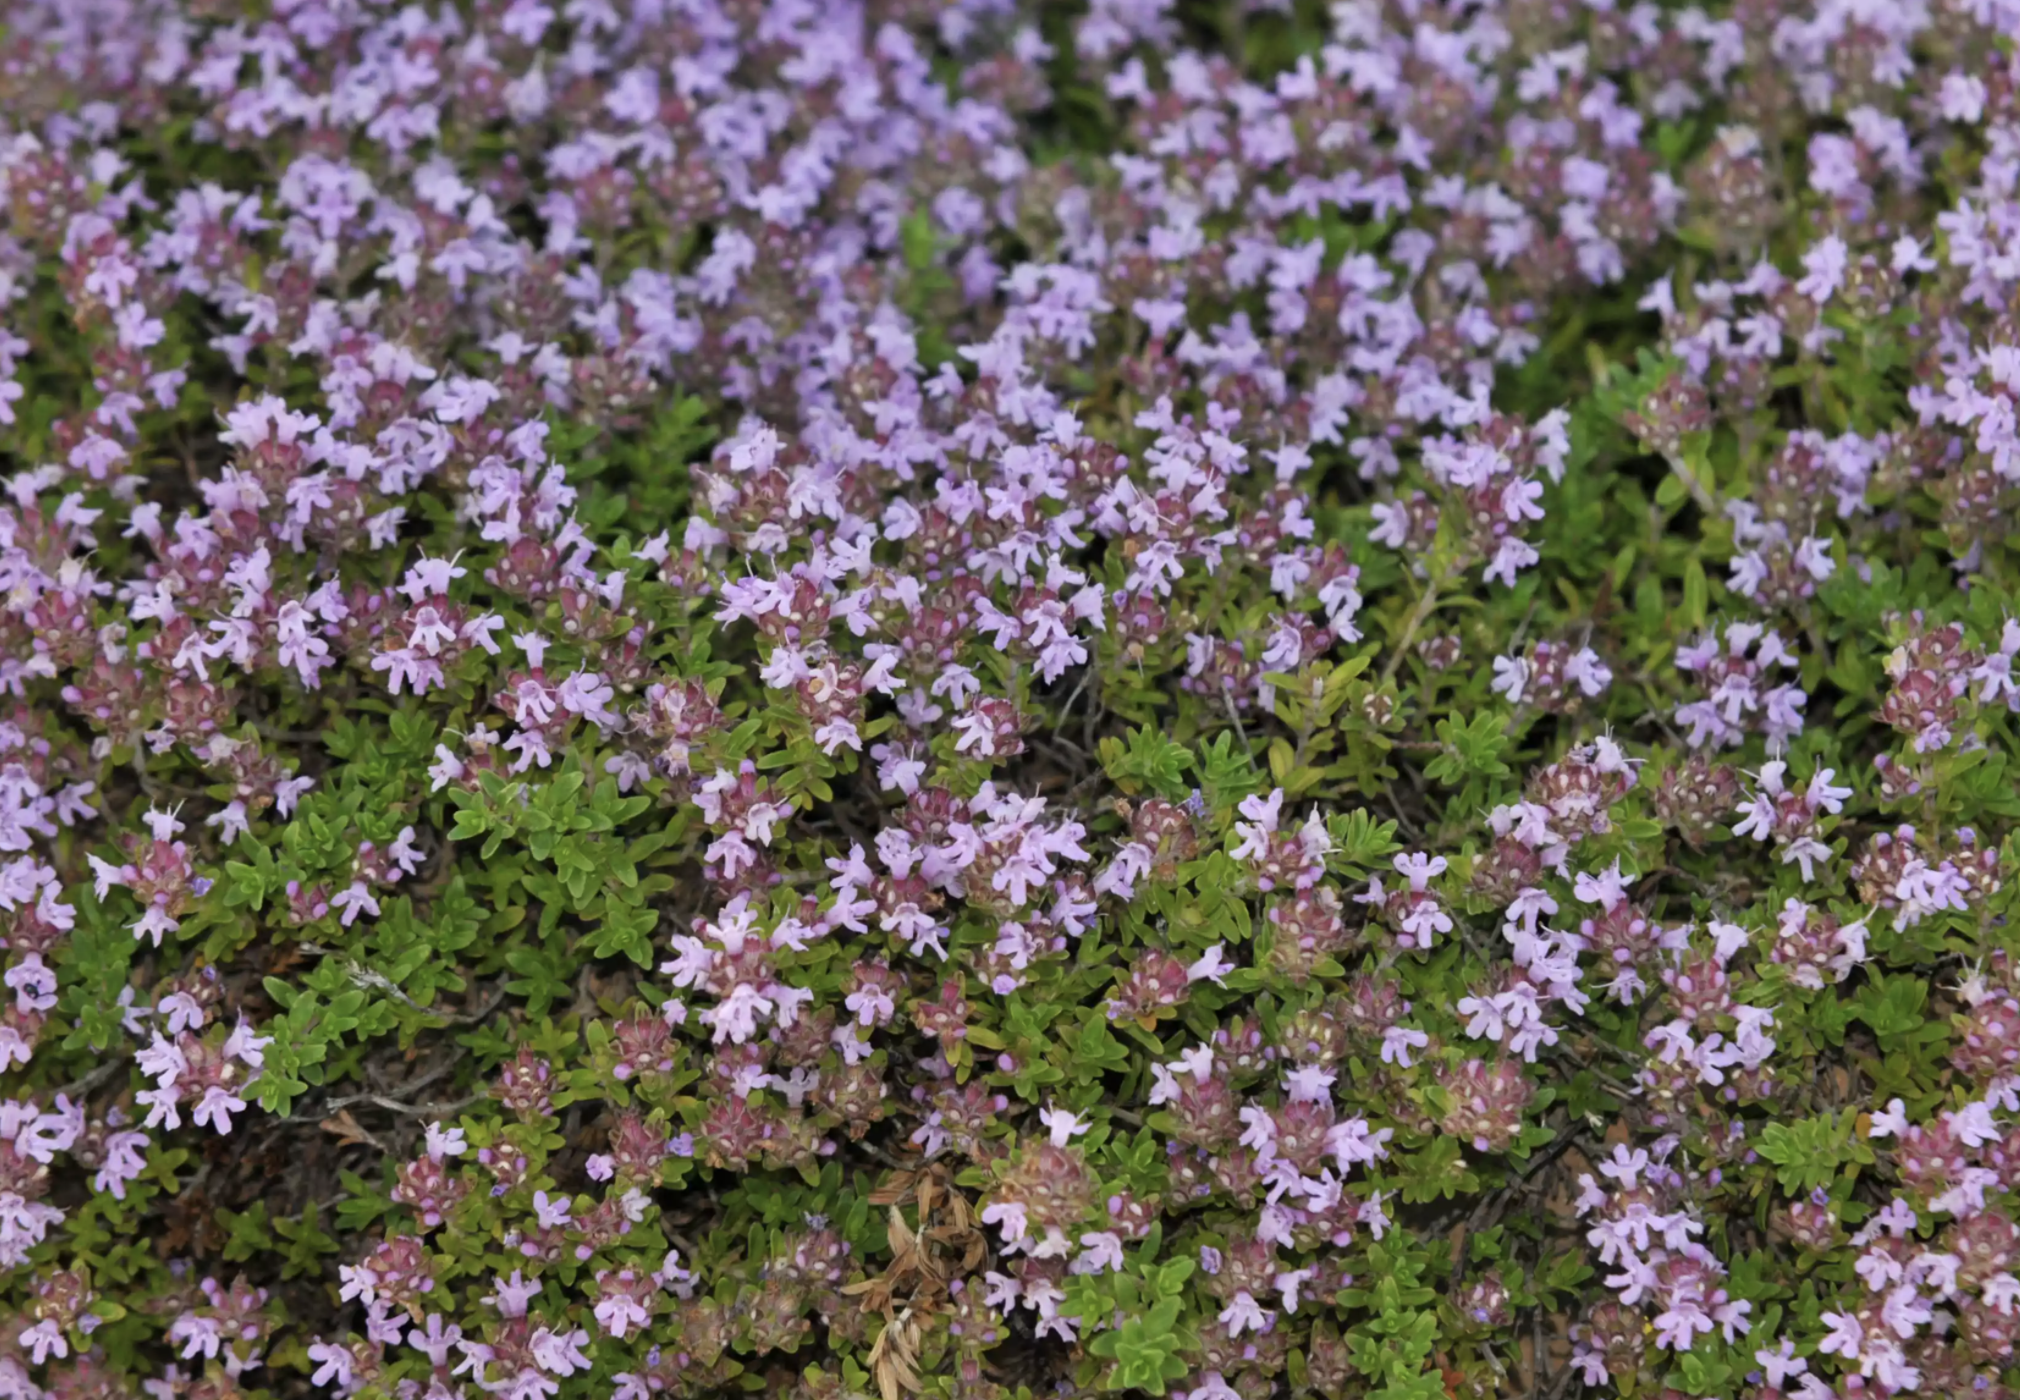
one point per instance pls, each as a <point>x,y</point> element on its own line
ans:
<point>895,1188</point>
<point>894,1359</point>
<point>875,1293</point>
<point>346,1129</point>
<point>887,1380</point>
<point>903,1241</point>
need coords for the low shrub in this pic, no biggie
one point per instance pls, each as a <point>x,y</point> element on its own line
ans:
<point>986,700</point>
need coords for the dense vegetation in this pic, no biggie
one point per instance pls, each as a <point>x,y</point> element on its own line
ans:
<point>994,700</point>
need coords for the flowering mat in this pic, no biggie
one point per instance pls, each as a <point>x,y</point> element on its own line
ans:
<point>1229,699</point>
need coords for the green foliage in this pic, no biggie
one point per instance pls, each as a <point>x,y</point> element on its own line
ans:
<point>1810,1152</point>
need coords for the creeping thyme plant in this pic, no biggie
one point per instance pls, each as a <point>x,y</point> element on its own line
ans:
<point>992,700</point>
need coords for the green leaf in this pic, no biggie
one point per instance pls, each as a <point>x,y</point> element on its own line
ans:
<point>1360,842</point>
<point>1148,760</point>
<point>1892,1006</point>
<point>1696,593</point>
<point>1809,1152</point>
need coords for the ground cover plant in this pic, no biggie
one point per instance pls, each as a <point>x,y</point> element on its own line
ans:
<point>994,700</point>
